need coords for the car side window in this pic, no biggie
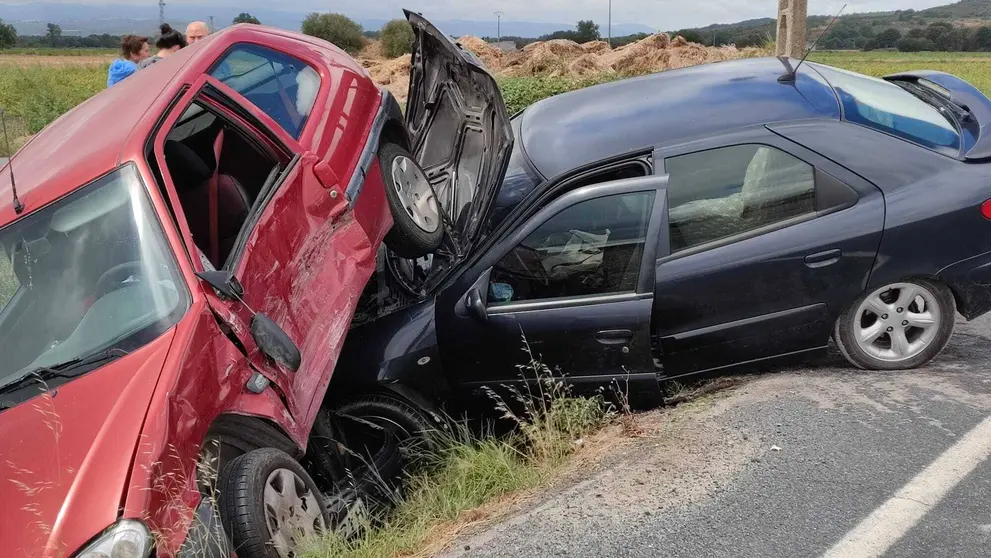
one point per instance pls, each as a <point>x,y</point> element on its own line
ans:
<point>724,192</point>
<point>592,248</point>
<point>282,86</point>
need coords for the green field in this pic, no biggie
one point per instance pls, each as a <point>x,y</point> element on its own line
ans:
<point>34,90</point>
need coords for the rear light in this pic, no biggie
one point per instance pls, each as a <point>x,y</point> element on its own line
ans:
<point>986,209</point>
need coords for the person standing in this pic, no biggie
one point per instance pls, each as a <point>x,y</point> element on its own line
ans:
<point>167,44</point>
<point>196,32</point>
<point>133,49</point>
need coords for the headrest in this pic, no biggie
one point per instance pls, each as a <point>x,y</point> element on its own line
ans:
<point>188,170</point>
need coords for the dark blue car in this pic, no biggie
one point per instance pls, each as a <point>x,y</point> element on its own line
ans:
<point>693,221</point>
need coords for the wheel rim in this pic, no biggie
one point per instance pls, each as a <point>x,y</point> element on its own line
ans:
<point>415,193</point>
<point>292,512</point>
<point>897,322</point>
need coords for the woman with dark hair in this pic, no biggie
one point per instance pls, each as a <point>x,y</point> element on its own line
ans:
<point>168,43</point>
<point>133,49</point>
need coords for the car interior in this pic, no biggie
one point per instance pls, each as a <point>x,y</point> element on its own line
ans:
<point>723,192</point>
<point>115,288</point>
<point>218,171</point>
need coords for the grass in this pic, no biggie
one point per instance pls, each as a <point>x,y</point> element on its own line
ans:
<point>465,471</point>
<point>59,52</point>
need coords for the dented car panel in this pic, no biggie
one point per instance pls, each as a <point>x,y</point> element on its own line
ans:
<point>137,438</point>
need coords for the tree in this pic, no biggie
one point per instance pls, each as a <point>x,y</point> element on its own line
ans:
<point>916,34</point>
<point>983,38</point>
<point>54,35</point>
<point>910,44</point>
<point>588,31</point>
<point>245,17</point>
<point>335,28</point>
<point>693,36</point>
<point>8,35</point>
<point>888,37</point>
<point>397,38</point>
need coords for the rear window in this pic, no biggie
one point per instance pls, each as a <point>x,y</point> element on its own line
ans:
<point>887,107</point>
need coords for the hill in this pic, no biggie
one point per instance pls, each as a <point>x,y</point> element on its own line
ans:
<point>853,30</point>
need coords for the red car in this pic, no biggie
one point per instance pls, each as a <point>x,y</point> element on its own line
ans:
<point>184,253</point>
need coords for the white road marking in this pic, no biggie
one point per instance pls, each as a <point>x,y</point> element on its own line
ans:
<point>887,524</point>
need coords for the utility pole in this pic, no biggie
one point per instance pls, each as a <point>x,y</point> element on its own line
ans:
<point>610,24</point>
<point>161,12</point>
<point>211,25</point>
<point>499,26</point>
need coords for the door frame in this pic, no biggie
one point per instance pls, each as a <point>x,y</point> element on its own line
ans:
<point>452,301</point>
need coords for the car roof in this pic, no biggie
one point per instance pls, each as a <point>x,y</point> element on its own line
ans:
<point>99,134</point>
<point>573,129</point>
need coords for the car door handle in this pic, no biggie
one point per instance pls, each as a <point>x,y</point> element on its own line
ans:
<point>822,259</point>
<point>614,336</point>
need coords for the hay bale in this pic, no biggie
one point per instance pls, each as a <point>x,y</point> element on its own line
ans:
<point>588,64</point>
<point>595,47</point>
<point>563,48</point>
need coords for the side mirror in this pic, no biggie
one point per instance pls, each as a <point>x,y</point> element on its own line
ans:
<point>274,342</point>
<point>475,305</point>
<point>225,283</point>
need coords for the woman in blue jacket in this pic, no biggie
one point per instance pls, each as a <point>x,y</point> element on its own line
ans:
<point>133,49</point>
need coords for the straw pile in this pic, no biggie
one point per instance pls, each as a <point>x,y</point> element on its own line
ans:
<point>563,58</point>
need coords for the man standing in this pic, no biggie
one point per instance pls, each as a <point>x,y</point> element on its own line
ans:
<point>196,31</point>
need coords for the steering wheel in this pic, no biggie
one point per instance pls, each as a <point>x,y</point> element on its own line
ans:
<point>111,279</point>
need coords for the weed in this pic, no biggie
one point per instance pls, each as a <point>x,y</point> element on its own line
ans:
<point>463,470</point>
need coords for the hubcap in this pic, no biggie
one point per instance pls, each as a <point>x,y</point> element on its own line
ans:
<point>415,193</point>
<point>291,512</point>
<point>897,322</point>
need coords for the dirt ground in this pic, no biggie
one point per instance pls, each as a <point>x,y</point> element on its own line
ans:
<point>562,58</point>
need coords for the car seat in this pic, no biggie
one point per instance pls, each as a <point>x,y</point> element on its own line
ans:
<point>215,204</point>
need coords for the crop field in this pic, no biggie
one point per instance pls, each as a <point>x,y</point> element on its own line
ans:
<point>38,86</point>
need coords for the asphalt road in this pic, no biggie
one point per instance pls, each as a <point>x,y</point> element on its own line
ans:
<point>788,464</point>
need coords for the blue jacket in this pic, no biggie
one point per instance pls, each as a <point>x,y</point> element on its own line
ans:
<point>119,70</point>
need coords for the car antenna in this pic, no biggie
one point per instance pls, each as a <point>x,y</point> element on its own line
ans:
<point>18,206</point>
<point>789,77</point>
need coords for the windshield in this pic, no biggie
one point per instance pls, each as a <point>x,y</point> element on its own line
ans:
<point>887,107</point>
<point>520,180</point>
<point>89,273</point>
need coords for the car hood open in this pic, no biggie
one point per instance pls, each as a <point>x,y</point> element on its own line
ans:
<point>459,128</point>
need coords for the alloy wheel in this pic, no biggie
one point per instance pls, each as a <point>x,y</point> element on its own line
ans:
<point>897,322</point>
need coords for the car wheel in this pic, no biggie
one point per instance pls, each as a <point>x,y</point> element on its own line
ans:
<point>417,229</point>
<point>269,504</point>
<point>382,434</point>
<point>897,327</point>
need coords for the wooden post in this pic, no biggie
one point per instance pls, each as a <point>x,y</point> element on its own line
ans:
<point>791,27</point>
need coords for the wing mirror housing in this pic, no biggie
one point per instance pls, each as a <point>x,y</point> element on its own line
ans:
<point>475,305</point>
<point>273,341</point>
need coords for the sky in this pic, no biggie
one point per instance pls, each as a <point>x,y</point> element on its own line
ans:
<point>661,14</point>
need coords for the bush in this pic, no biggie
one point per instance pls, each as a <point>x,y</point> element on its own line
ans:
<point>335,28</point>
<point>915,45</point>
<point>521,92</point>
<point>397,38</point>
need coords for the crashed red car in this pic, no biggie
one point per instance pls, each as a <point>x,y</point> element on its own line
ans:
<point>183,256</point>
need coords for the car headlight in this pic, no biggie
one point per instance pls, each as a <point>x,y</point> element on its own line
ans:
<point>127,538</point>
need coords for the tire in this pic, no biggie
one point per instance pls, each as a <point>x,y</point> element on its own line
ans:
<point>417,230</point>
<point>382,455</point>
<point>243,484</point>
<point>889,352</point>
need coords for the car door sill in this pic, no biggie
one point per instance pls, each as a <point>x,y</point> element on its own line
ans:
<point>714,371</point>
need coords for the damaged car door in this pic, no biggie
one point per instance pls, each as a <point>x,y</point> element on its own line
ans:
<point>569,285</point>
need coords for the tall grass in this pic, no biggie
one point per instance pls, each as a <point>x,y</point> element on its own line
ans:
<point>39,94</point>
<point>464,470</point>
